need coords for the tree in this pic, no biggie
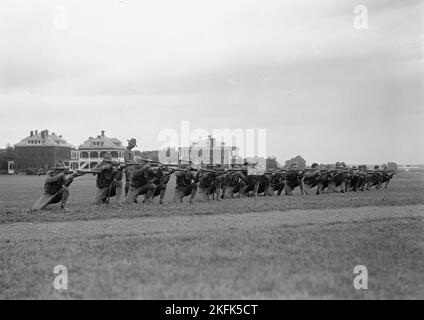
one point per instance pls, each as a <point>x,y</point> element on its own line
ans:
<point>6,155</point>
<point>301,163</point>
<point>392,166</point>
<point>152,155</point>
<point>272,163</point>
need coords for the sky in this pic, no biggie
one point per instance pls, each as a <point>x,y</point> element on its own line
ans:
<point>300,70</point>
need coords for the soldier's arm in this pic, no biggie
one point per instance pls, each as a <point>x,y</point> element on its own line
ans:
<point>118,174</point>
<point>165,179</point>
<point>128,156</point>
<point>195,176</point>
<point>101,167</point>
<point>55,178</point>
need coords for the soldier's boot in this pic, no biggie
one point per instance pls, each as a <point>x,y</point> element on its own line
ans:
<point>342,188</point>
<point>193,194</point>
<point>64,200</point>
<point>162,195</point>
<point>280,189</point>
<point>255,189</point>
<point>319,188</point>
<point>288,190</point>
<point>241,190</point>
<point>149,196</point>
<point>118,191</point>
<point>218,193</point>
<point>127,187</point>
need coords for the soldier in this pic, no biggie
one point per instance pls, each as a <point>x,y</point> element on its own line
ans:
<point>293,180</point>
<point>376,178</point>
<point>363,177</point>
<point>109,180</point>
<point>129,157</point>
<point>233,182</point>
<point>186,184</point>
<point>217,187</point>
<point>338,178</point>
<point>161,179</point>
<point>278,179</point>
<point>312,178</point>
<point>142,183</point>
<point>211,183</point>
<point>387,176</point>
<point>251,181</point>
<point>352,180</point>
<point>264,184</point>
<point>56,187</point>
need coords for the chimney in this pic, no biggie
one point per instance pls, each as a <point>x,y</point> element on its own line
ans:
<point>46,132</point>
<point>43,134</point>
<point>103,133</point>
<point>31,133</point>
<point>36,132</point>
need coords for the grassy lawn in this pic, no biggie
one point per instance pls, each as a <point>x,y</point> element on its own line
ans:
<point>19,193</point>
<point>276,261</point>
<point>260,250</point>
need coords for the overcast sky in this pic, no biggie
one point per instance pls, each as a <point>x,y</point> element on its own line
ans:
<point>298,69</point>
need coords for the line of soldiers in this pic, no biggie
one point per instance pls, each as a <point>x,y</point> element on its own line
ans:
<point>150,179</point>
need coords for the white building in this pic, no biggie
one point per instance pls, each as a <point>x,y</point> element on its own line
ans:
<point>91,152</point>
<point>207,152</point>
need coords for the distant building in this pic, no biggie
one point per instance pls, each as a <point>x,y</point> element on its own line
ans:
<point>91,152</point>
<point>409,167</point>
<point>41,151</point>
<point>208,152</point>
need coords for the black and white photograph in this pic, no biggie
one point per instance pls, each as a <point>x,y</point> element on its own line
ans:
<point>222,153</point>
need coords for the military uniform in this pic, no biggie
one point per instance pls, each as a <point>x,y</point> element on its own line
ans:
<point>293,180</point>
<point>337,179</point>
<point>186,185</point>
<point>312,179</point>
<point>376,178</point>
<point>276,183</point>
<point>142,183</point>
<point>129,157</point>
<point>234,183</point>
<point>205,182</point>
<point>211,183</point>
<point>160,182</point>
<point>108,182</point>
<point>56,188</point>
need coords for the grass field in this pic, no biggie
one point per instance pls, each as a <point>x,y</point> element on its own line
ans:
<point>270,247</point>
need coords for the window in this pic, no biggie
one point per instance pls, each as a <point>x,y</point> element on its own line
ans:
<point>94,155</point>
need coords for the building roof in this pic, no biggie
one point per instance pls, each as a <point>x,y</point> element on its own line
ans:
<point>102,142</point>
<point>208,143</point>
<point>43,139</point>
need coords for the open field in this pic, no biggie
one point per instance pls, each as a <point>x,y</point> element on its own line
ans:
<point>279,247</point>
<point>19,193</point>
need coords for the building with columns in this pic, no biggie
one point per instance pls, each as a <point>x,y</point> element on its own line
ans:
<point>208,152</point>
<point>91,152</point>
